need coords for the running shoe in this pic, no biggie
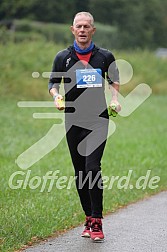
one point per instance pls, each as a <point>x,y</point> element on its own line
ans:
<point>86,232</point>
<point>96,233</point>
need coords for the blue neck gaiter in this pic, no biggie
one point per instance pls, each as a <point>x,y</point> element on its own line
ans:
<point>83,51</point>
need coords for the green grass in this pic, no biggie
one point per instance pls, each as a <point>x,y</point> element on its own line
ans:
<point>21,60</point>
<point>147,68</point>
<point>138,144</point>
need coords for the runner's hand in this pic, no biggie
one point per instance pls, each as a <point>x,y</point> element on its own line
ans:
<point>118,106</point>
<point>59,102</point>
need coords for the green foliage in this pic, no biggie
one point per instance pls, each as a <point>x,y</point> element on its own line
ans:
<point>139,143</point>
<point>5,35</point>
<point>28,215</point>
<point>59,33</point>
<point>47,11</point>
<point>137,24</point>
<point>22,59</point>
<point>106,36</point>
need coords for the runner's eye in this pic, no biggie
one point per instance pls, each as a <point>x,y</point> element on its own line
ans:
<point>84,26</point>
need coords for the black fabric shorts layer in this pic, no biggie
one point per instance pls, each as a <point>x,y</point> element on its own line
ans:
<point>86,149</point>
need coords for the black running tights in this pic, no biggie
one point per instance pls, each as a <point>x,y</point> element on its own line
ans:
<point>87,165</point>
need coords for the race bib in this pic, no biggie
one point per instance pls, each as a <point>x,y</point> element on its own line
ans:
<point>89,78</point>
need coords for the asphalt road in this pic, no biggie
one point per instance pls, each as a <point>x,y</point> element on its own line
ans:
<point>140,227</point>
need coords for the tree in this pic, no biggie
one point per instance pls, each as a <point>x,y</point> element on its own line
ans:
<point>137,23</point>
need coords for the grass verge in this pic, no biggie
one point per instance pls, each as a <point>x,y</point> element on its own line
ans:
<point>138,144</point>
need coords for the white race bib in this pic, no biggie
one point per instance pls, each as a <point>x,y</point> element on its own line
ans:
<point>89,78</point>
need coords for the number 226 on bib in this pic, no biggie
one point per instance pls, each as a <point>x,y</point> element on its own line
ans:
<point>89,78</point>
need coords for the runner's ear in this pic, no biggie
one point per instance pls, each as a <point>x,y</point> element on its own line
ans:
<point>94,29</point>
<point>72,29</point>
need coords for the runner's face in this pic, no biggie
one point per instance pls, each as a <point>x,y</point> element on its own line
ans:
<point>83,30</point>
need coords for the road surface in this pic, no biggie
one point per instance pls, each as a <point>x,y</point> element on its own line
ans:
<point>140,227</point>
